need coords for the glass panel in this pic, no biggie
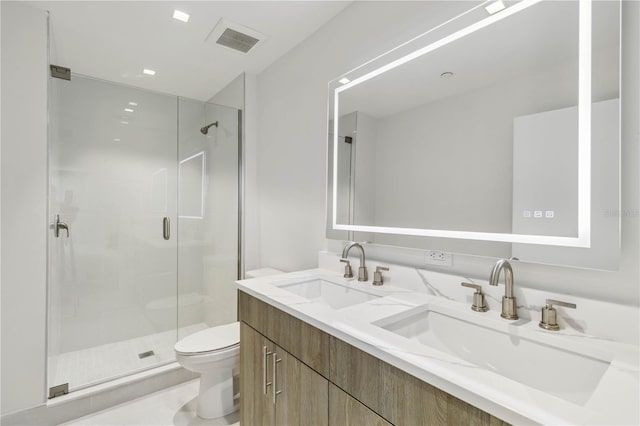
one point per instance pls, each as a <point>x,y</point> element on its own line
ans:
<point>208,215</point>
<point>112,281</point>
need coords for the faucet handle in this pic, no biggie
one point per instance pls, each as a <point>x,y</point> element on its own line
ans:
<point>551,302</point>
<point>479,304</point>
<point>550,315</point>
<point>377,275</point>
<point>348,272</point>
<point>476,286</point>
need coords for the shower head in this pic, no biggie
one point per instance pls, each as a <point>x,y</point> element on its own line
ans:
<point>204,130</point>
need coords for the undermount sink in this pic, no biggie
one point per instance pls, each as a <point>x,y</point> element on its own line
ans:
<point>533,362</point>
<point>336,296</point>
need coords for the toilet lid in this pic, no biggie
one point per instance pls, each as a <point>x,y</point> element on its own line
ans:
<point>210,340</point>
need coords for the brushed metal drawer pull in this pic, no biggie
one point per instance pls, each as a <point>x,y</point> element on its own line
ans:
<point>265,353</point>
<point>276,360</point>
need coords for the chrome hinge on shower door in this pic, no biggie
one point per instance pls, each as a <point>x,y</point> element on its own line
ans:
<point>59,390</point>
<point>60,72</point>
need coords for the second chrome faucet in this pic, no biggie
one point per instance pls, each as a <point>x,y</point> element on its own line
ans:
<point>362,270</point>
<point>509,307</point>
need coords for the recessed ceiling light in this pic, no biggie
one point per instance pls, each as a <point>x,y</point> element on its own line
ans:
<point>116,140</point>
<point>495,7</point>
<point>128,110</point>
<point>447,74</point>
<point>181,16</point>
<point>133,104</point>
<point>124,122</point>
<point>148,71</point>
<point>344,80</point>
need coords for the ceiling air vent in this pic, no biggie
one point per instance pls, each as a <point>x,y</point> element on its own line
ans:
<point>234,36</point>
<point>237,40</point>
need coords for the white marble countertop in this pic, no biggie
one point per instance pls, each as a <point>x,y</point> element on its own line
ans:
<point>615,399</point>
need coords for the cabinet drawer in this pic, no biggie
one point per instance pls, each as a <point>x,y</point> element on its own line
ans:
<point>397,396</point>
<point>300,339</point>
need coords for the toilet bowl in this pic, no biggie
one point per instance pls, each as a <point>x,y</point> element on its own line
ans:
<point>214,353</point>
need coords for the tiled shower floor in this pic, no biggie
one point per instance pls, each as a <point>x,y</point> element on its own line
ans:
<point>92,365</point>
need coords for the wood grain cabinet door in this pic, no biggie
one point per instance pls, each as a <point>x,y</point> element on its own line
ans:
<point>256,353</point>
<point>345,410</point>
<point>301,393</point>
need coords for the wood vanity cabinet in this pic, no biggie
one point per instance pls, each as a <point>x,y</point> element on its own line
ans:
<point>320,380</point>
<point>344,410</point>
<point>256,407</point>
<point>279,390</point>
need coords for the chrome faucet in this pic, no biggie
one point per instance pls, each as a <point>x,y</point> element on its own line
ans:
<point>509,307</point>
<point>362,270</point>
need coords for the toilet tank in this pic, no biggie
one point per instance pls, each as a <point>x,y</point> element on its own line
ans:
<point>263,272</point>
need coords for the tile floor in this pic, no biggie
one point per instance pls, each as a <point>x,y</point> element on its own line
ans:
<point>173,406</point>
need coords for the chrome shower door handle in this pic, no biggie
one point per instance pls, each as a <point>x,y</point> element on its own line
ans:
<point>57,226</point>
<point>166,228</point>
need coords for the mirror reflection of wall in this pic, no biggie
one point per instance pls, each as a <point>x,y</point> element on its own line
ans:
<point>480,132</point>
<point>546,192</point>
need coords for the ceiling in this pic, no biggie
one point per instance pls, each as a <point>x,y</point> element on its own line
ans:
<point>116,40</point>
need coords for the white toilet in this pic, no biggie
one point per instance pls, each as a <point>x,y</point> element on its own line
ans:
<point>214,353</point>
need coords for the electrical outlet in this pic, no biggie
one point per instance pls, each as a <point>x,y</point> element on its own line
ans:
<point>439,258</point>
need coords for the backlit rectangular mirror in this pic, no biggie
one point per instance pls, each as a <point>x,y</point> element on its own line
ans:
<point>492,128</point>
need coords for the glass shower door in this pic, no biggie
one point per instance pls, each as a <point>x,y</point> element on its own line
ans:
<point>208,154</point>
<point>113,245</point>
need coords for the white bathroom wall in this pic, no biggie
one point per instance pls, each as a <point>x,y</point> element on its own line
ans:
<point>241,94</point>
<point>24,209</point>
<point>232,95</point>
<point>292,120</point>
<point>292,110</point>
<point>250,225</point>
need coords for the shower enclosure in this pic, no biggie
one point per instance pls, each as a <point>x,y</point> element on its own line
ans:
<point>144,213</point>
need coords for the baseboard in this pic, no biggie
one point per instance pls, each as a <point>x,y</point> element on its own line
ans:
<point>90,400</point>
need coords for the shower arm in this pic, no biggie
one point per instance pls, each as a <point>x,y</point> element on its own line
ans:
<point>204,130</point>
